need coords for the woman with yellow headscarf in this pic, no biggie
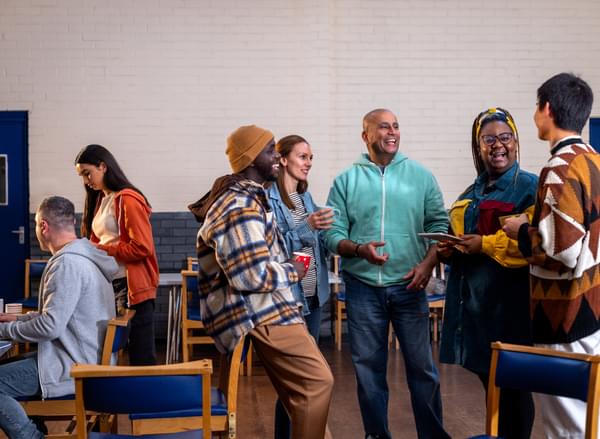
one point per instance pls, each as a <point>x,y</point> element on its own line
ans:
<point>487,296</point>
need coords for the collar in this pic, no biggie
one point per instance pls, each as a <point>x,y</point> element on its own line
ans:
<point>503,182</point>
<point>366,160</point>
<point>565,141</point>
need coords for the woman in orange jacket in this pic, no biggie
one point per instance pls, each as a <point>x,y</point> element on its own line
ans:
<point>116,218</point>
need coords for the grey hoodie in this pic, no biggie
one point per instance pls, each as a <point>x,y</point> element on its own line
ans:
<point>76,300</point>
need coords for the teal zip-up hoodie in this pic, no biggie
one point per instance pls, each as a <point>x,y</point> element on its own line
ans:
<point>390,205</point>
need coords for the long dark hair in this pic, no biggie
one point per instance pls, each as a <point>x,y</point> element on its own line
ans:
<point>114,180</point>
<point>284,148</point>
<point>482,119</point>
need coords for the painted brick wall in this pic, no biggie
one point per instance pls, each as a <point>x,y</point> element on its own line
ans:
<point>163,82</point>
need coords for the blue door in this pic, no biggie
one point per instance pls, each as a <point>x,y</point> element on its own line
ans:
<point>14,203</point>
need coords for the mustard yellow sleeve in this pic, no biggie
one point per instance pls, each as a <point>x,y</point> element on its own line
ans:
<point>504,250</point>
<point>457,216</point>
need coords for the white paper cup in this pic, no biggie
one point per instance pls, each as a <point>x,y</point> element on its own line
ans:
<point>336,211</point>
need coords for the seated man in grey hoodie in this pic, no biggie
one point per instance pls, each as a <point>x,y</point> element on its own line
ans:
<point>76,301</point>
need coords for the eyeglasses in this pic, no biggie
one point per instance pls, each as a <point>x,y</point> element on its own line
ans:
<point>490,140</point>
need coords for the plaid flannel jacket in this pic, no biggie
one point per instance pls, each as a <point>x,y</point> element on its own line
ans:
<point>243,279</point>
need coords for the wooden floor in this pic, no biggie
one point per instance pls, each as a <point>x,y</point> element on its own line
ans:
<point>462,396</point>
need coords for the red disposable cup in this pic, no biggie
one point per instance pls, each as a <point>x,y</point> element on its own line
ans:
<point>302,257</point>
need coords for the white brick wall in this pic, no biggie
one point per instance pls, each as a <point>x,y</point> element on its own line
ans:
<point>163,82</point>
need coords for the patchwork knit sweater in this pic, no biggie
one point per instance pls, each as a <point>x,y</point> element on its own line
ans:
<point>562,245</point>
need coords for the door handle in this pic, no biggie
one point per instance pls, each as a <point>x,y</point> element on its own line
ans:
<point>21,233</point>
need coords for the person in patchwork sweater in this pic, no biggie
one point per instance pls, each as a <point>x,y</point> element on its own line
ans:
<point>562,241</point>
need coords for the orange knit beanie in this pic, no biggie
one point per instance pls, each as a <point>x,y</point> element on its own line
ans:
<point>245,144</point>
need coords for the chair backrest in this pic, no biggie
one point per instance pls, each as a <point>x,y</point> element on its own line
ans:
<point>33,272</point>
<point>164,388</point>
<point>189,291</point>
<point>117,334</point>
<point>192,263</point>
<point>545,371</point>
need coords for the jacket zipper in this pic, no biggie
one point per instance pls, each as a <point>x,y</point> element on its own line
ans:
<point>382,226</point>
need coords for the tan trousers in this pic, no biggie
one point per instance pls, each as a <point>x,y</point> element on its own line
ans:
<point>300,375</point>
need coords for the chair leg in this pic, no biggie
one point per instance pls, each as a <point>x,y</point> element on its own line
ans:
<point>184,345</point>
<point>338,327</point>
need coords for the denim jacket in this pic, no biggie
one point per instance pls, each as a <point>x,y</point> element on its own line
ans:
<point>298,237</point>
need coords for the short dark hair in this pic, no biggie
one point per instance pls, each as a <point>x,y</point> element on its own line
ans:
<point>367,118</point>
<point>58,211</point>
<point>570,99</point>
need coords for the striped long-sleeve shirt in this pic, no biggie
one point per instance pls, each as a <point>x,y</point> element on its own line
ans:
<point>243,278</point>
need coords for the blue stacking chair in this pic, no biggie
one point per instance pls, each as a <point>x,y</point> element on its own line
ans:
<point>545,371</point>
<point>33,272</point>
<point>223,404</point>
<point>142,389</point>
<point>63,407</point>
<point>338,301</point>
<point>190,314</point>
<point>437,300</point>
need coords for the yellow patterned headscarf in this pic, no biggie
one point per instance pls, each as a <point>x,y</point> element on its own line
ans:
<point>499,114</point>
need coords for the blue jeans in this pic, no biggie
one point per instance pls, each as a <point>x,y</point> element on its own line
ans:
<point>370,311</point>
<point>282,420</point>
<point>18,378</point>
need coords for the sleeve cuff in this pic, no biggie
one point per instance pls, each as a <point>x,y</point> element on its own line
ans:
<point>487,245</point>
<point>524,240</point>
<point>292,274</point>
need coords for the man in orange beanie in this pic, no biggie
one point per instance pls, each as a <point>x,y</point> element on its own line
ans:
<point>245,282</point>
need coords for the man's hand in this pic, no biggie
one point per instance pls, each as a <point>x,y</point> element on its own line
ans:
<point>299,267</point>
<point>368,251</point>
<point>420,275</point>
<point>7,317</point>
<point>471,244</point>
<point>512,225</point>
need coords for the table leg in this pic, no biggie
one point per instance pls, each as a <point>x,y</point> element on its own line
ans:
<point>169,327</point>
<point>177,325</point>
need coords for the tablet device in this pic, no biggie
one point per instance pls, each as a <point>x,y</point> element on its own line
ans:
<point>440,237</point>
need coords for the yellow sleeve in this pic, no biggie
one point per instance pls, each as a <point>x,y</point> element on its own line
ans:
<point>457,216</point>
<point>504,250</point>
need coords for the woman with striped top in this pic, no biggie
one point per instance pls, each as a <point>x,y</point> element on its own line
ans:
<point>300,222</point>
